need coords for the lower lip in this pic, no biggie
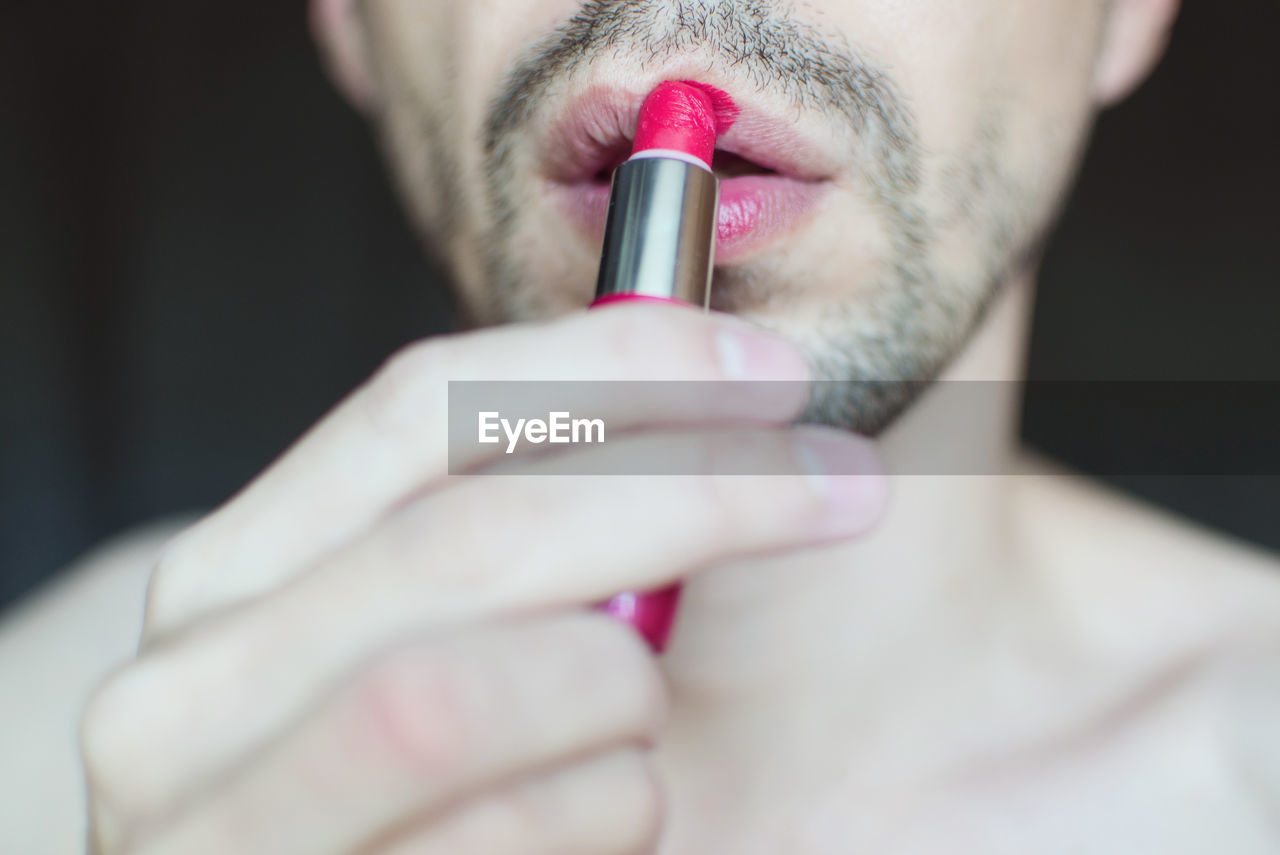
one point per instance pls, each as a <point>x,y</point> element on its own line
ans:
<point>753,210</point>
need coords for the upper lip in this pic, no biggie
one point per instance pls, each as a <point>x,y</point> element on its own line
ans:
<point>593,134</point>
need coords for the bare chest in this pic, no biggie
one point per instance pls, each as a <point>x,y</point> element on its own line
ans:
<point>1166,781</point>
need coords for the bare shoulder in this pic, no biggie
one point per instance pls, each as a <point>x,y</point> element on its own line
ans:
<point>1161,597</point>
<point>1147,592</point>
<point>55,646</point>
<point>1121,555</point>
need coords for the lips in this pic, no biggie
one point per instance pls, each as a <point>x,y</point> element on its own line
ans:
<point>771,176</point>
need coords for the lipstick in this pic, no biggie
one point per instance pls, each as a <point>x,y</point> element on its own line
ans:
<point>659,245</point>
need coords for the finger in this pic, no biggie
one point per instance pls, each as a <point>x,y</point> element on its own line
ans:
<point>535,538</point>
<point>610,804</point>
<point>438,564</point>
<point>390,437</point>
<point>420,729</point>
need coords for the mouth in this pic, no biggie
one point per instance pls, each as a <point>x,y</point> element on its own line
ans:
<point>771,176</point>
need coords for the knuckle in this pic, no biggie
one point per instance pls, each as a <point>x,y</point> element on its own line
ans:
<point>409,384</point>
<point>106,732</point>
<point>415,708</point>
<point>169,588</point>
<point>94,736</point>
<point>125,734</point>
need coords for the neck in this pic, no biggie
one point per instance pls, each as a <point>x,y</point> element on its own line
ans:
<point>819,632</point>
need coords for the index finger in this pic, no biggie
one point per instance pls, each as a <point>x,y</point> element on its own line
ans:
<point>390,438</point>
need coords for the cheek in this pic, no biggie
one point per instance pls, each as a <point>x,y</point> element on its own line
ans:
<point>487,39</point>
<point>1001,97</point>
<point>451,57</point>
<point>953,59</point>
<point>440,63</point>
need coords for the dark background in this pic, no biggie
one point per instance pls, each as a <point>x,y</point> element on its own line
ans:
<point>199,254</point>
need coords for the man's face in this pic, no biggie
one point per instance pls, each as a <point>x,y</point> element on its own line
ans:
<point>893,164</point>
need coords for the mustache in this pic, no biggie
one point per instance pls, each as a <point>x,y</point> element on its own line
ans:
<point>761,42</point>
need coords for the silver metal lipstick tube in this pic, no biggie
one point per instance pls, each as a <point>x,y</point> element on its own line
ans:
<point>659,238</point>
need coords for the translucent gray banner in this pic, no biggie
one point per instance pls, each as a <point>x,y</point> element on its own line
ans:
<point>1120,428</point>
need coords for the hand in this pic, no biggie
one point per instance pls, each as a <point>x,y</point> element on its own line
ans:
<point>362,654</point>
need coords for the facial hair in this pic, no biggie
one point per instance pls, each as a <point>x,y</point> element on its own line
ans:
<point>873,353</point>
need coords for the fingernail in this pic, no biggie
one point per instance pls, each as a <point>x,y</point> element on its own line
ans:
<point>848,473</point>
<point>747,354</point>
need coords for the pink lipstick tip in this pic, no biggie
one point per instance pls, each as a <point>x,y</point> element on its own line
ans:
<point>684,116</point>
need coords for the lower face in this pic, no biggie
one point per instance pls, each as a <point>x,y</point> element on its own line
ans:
<point>893,164</point>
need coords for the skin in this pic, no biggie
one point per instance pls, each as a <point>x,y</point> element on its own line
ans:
<point>1005,663</point>
<point>935,194</point>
